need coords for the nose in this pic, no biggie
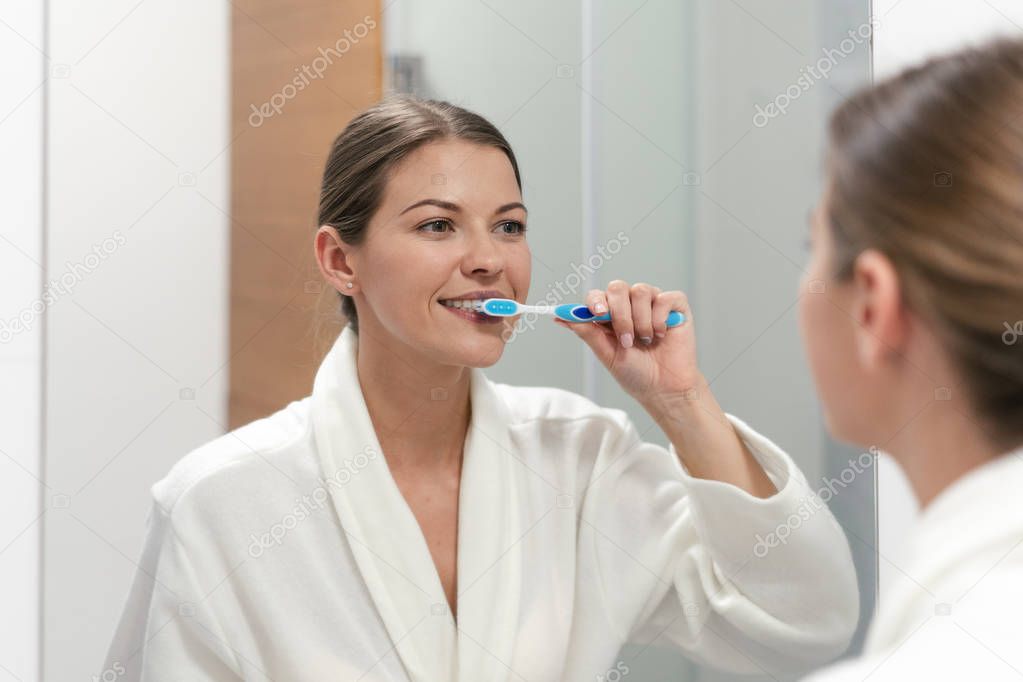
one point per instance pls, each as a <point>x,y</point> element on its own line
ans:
<point>482,255</point>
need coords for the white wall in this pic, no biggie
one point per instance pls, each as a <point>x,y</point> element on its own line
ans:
<point>22,68</point>
<point>136,345</point>
<point>909,31</point>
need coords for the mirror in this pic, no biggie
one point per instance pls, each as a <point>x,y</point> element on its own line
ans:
<point>677,143</point>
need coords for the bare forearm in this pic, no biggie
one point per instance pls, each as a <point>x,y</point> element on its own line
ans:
<point>706,441</point>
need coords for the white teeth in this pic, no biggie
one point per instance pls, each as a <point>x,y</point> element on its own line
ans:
<point>470,304</point>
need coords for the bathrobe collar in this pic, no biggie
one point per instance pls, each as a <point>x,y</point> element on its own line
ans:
<point>388,544</point>
<point>976,517</point>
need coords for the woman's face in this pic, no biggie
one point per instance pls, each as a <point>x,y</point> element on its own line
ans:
<point>450,225</point>
<point>876,364</point>
<point>829,335</point>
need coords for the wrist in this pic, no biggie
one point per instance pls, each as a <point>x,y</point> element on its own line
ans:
<point>683,403</point>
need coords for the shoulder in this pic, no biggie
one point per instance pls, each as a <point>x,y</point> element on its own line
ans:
<point>239,458</point>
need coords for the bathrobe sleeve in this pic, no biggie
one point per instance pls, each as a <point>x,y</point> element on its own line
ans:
<point>166,633</point>
<point>737,582</point>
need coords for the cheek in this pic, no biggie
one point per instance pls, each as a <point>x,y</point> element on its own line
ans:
<point>815,322</point>
<point>400,280</point>
<point>404,268</point>
<point>827,337</point>
<point>813,326</point>
<point>523,273</point>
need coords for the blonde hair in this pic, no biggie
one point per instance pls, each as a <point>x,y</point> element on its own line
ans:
<point>927,168</point>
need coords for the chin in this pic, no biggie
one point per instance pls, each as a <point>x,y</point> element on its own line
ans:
<point>845,430</point>
<point>483,354</point>
<point>834,430</point>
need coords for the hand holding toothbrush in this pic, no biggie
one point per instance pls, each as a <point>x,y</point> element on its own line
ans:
<point>648,359</point>
<point>663,377</point>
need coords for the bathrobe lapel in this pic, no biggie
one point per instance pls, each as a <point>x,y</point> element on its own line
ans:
<point>389,547</point>
<point>983,531</point>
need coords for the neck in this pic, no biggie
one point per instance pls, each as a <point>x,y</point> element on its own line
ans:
<point>939,446</point>
<point>420,409</point>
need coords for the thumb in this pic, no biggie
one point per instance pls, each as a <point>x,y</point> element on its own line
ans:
<point>595,336</point>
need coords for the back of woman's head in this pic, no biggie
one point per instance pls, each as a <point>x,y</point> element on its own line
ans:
<point>373,143</point>
<point>927,168</point>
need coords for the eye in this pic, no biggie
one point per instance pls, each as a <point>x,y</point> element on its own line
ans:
<point>515,224</point>
<point>424,227</point>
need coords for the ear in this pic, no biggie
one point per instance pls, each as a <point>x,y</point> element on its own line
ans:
<point>335,259</point>
<point>882,322</point>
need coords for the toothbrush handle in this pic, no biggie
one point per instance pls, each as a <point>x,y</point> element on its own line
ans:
<point>572,312</point>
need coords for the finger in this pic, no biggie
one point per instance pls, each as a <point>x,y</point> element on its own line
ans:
<point>595,335</point>
<point>667,302</point>
<point>596,301</point>
<point>621,311</point>
<point>641,297</point>
<point>659,313</point>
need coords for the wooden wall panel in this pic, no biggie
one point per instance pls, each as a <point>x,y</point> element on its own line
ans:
<point>281,320</point>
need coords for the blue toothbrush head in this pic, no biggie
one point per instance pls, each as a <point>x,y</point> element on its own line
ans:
<point>498,307</point>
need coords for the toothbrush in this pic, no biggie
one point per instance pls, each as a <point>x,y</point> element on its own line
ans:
<point>569,312</point>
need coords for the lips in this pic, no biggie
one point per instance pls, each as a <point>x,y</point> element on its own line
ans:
<point>477,295</point>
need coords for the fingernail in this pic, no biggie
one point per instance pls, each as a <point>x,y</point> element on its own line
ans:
<point>626,340</point>
<point>646,340</point>
<point>600,308</point>
<point>659,335</point>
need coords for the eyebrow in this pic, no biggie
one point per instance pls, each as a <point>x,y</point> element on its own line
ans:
<point>454,208</point>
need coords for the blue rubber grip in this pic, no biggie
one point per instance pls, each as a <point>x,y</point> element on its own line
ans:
<point>575,312</point>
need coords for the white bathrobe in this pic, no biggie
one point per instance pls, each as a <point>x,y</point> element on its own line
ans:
<point>955,609</point>
<point>285,551</point>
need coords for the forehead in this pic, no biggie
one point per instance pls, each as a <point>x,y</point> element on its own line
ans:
<point>460,171</point>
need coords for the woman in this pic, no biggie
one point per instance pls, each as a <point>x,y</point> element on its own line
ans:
<point>919,243</point>
<point>412,520</point>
